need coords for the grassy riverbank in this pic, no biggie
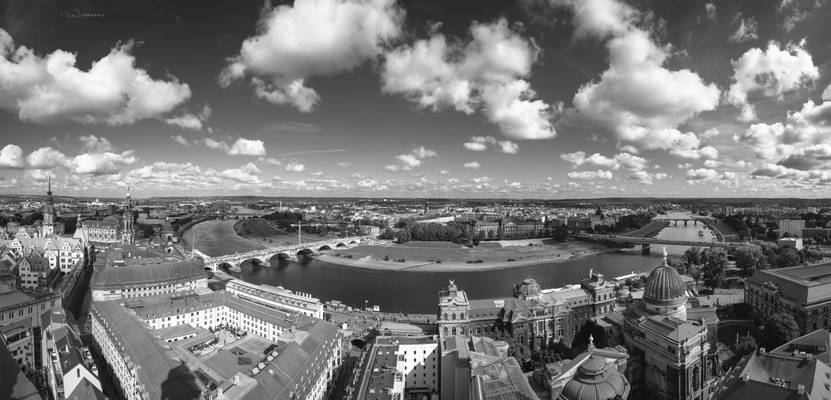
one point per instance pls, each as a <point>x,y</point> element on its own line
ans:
<point>262,231</point>
<point>444,257</point>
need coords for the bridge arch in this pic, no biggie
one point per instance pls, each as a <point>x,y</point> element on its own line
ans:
<point>283,255</point>
<point>353,242</point>
<point>324,247</point>
<point>305,252</point>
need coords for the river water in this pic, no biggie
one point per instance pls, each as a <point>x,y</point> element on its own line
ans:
<point>417,292</point>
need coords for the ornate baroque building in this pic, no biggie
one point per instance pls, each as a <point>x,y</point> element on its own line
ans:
<point>531,314</point>
<point>670,355</point>
<point>49,213</point>
<point>128,236</point>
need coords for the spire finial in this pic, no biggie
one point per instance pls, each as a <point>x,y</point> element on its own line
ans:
<point>591,342</point>
<point>665,255</point>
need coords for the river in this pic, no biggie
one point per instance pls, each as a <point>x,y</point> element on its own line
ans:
<point>402,291</point>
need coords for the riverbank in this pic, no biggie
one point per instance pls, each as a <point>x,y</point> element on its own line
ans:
<point>449,257</point>
<point>262,231</point>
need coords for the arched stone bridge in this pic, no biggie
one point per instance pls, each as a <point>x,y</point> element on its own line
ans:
<point>286,252</point>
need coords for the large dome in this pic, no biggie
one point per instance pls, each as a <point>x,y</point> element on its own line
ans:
<point>596,381</point>
<point>664,287</point>
<point>528,289</point>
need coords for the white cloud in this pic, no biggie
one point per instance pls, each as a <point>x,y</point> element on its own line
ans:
<point>271,161</point>
<point>746,31</point>
<point>485,73</point>
<point>711,11</point>
<point>245,174</point>
<point>647,178</point>
<point>367,183</point>
<point>51,89</point>
<point>189,120</point>
<point>411,160</point>
<point>295,167</point>
<point>826,94</point>
<point>444,172</point>
<point>480,143</point>
<point>105,163</point>
<point>590,175</point>
<point>472,165</point>
<point>712,164</point>
<point>702,174</point>
<point>626,160</point>
<point>710,133</point>
<point>47,158</point>
<point>344,164</point>
<point>312,38</point>
<point>795,11</point>
<point>247,147</point>
<point>636,97</point>
<point>240,147</point>
<point>95,144</point>
<point>11,157</point>
<point>181,140</point>
<point>771,73</point>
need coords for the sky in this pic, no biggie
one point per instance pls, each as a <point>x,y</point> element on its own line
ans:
<point>422,98</point>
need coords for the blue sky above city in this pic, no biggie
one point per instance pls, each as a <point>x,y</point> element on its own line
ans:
<point>378,98</point>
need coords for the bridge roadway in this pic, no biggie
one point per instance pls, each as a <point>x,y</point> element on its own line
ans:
<point>289,252</point>
<point>651,240</point>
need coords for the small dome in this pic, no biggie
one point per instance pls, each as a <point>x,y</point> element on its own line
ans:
<point>596,381</point>
<point>622,292</point>
<point>664,287</point>
<point>529,288</point>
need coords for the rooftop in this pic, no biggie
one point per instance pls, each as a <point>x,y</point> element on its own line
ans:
<point>136,274</point>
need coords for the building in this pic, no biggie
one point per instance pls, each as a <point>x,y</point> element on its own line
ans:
<point>33,271</point>
<point>401,367</point>
<point>14,381</point>
<point>798,369</point>
<point>795,242</point>
<point>70,370</point>
<point>106,231</point>
<point>62,253</point>
<point>793,227</point>
<point>143,352</point>
<point>669,354</point>
<point>20,323</point>
<point>531,314</point>
<point>479,368</point>
<point>128,234</point>
<point>803,292</point>
<point>49,218</point>
<point>277,297</point>
<point>596,374</point>
<point>124,278</point>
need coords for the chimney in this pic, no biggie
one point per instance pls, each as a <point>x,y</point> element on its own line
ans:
<point>800,389</point>
<point>761,350</point>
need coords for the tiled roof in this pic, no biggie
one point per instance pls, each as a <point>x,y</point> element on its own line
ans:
<point>168,271</point>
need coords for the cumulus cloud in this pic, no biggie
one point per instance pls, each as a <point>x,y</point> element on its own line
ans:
<point>190,120</point>
<point>181,140</point>
<point>411,160</point>
<point>247,147</point>
<point>486,73</point>
<point>245,174</point>
<point>795,11</point>
<point>344,164</point>
<point>472,165</point>
<point>105,163</point>
<point>636,98</point>
<point>746,31</point>
<point>11,156</point>
<point>52,89</point>
<point>625,160</point>
<point>311,38</point>
<point>190,177</point>
<point>95,144</point>
<point>47,158</point>
<point>590,175</point>
<point>771,72</point>
<point>295,167</point>
<point>240,147</point>
<point>702,174</point>
<point>647,178</point>
<point>481,143</point>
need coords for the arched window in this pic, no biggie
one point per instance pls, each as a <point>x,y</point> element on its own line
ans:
<point>445,316</point>
<point>454,316</point>
<point>445,331</point>
<point>461,331</point>
<point>462,316</point>
<point>696,378</point>
<point>454,331</point>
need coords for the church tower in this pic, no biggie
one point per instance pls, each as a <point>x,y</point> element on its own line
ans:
<point>128,233</point>
<point>49,213</point>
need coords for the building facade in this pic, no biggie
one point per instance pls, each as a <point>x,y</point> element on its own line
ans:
<point>793,227</point>
<point>277,297</point>
<point>531,314</point>
<point>126,278</point>
<point>402,366</point>
<point>803,292</point>
<point>670,355</point>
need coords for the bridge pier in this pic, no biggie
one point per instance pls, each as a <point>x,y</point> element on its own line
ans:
<point>685,222</point>
<point>645,249</point>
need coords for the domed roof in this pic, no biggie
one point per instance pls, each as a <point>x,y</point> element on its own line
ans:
<point>664,286</point>
<point>595,381</point>
<point>528,288</point>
